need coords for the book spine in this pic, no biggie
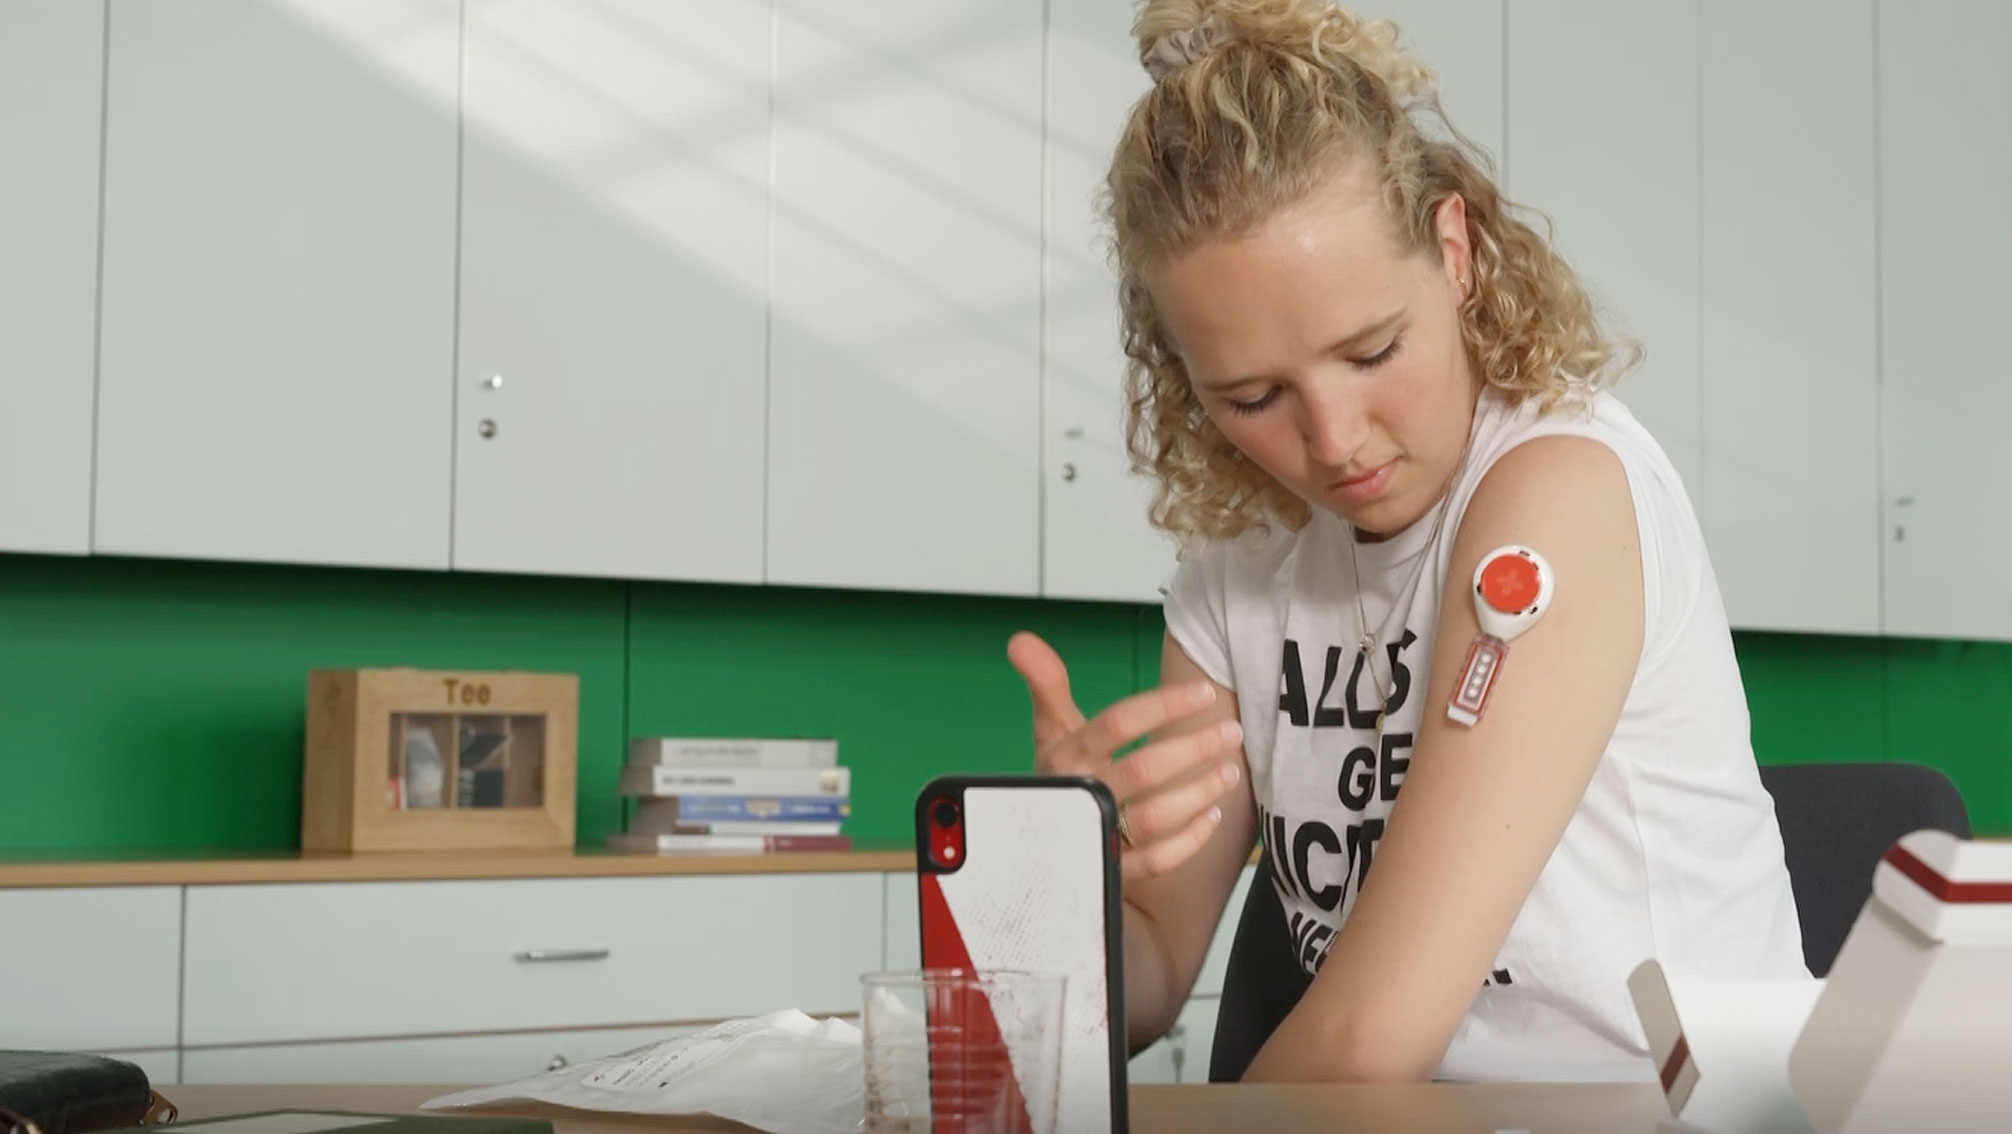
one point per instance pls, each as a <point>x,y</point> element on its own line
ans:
<point>802,809</point>
<point>756,827</point>
<point>729,752</point>
<point>665,779</point>
<point>660,817</point>
<point>745,844</point>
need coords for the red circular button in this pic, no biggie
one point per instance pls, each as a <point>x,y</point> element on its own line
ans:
<point>1510,583</point>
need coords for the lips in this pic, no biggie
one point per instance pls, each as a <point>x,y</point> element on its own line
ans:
<point>1366,485</point>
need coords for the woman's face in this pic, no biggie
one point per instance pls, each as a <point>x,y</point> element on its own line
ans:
<point>1330,356</point>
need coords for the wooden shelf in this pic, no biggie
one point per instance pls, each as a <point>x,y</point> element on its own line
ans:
<point>232,869</point>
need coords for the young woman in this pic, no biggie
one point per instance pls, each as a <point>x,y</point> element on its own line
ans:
<point>1355,373</point>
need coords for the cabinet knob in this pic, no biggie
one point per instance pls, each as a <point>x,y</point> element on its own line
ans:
<point>486,427</point>
<point>493,382</point>
<point>1068,470</point>
<point>558,1063</point>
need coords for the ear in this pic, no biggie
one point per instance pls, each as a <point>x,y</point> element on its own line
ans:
<point>1456,252</point>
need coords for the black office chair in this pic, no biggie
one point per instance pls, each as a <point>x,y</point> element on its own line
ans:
<point>1836,821</point>
<point>1261,983</point>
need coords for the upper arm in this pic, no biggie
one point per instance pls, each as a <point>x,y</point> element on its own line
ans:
<point>1483,807</point>
<point>1186,903</point>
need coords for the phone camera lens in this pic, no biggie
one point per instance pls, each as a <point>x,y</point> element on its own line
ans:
<point>945,813</point>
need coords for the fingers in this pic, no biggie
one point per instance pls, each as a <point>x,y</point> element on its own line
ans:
<point>1148,859</point>
<point>1170,795</point>
<point>1173,823</point>
<point>1168,812</point>
<point>1055,711</point>
<point>1172,759</point>
<point>1169,790</point>
<point>1141,713</point>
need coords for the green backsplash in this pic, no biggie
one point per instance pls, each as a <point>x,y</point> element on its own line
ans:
<point>156,706</point>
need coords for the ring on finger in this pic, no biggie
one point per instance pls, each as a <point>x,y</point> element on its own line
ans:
<point>1124,830</point>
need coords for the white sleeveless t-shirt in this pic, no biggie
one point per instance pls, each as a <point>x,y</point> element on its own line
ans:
<point>1673,852</point>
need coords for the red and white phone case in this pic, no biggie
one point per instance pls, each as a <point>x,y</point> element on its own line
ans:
<point>1024,876</point>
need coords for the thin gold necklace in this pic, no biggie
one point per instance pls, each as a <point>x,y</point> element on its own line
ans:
<point>1383,688</point>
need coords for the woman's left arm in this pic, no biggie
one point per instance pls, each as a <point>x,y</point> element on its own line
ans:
<point>1482,807</point>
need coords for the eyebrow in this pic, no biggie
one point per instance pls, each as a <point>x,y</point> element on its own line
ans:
<point>1342,345</point>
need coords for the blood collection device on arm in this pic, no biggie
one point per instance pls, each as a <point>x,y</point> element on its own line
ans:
<point>1512,589</point>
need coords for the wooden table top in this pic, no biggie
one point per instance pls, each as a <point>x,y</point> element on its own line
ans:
<point>1422,1108</point>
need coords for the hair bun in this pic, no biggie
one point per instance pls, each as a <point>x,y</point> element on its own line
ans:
<point>1181,46</point>
<point>1174,34</point>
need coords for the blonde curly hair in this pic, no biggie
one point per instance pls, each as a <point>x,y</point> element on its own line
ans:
<point>1254,104</point>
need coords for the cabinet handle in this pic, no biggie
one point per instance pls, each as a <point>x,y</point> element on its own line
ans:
<point>493,382</point>
<point>1069,470</point>
<point>558,1063</point>
<point>562,954</point>
<point>1078,433</point>
<point>486,427</point>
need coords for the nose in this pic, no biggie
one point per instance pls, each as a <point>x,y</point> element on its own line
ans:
<point>1333,425</point>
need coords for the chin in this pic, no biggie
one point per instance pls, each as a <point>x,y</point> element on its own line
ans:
<point>1378,519</point>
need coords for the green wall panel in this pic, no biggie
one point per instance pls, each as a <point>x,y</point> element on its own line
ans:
<point>160,706</point>
<point>1814,698</point>
<point>912,686</point>
<point>156,706</point>
<point>1947,704</point>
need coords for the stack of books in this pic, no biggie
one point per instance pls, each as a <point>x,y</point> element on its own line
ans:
<point>699,794</point>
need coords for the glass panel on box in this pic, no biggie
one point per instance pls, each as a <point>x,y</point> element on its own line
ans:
<point>526,785</point>
<point>420,745</point>
<point>500,761</point>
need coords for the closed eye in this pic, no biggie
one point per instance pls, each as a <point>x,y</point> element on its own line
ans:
<point>1255,404</point>
<point>1380,357</point>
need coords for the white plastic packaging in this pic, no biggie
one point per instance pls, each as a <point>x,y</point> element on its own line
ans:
<point>784,1073</point>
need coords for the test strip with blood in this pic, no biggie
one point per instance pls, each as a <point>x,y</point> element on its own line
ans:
<point>1512,588</point>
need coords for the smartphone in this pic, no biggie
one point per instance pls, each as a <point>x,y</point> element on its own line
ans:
<point>1021,872</point>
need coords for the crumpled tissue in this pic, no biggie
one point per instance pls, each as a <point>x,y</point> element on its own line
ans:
<point>784,1073</point>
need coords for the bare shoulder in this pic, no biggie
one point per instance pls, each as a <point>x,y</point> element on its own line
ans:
<point>1560,487</point>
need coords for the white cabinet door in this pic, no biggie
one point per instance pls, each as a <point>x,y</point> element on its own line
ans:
<point>1603,137</point>
<point>1790,351</point>
<point>1096,542</point>
<point>901,940</point>
<point>325,961</point>
<point>52,68</point>
<point>278,330</point>
<point>904,368</point>
<point>500,1058</point>
<point>1461,41</point>
<point>614,275</point>
<point>1945,241</point>
<point>90,969</point>
<point>1182,1055</point>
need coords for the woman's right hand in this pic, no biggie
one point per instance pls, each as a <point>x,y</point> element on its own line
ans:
<point>1167,790</point>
